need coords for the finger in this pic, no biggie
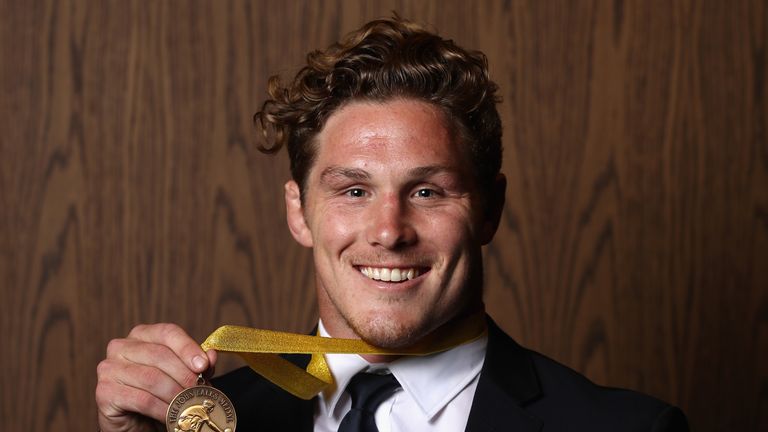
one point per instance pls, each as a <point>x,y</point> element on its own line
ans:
<point>212,357</point>
<point>147,378</point>
<point>175,338</point>
<point>153,355</point>
<point>118,403</point>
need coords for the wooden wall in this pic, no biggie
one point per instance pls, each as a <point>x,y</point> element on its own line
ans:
<point>634,246</point>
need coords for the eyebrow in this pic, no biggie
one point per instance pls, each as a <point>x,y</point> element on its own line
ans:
<point>429,170</point>
<point>341,172</point>
<point>337,172</point>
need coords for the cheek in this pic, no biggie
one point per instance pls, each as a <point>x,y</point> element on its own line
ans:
<point>450,229</point>
<point>335,228</point>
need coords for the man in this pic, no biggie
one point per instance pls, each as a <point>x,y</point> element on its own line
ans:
<point>197,416</point>
<point>395,149</point>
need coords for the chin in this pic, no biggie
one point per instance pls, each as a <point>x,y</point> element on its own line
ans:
<point>389,333</point>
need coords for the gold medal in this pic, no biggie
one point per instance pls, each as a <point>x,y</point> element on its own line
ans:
<point>201,409</point>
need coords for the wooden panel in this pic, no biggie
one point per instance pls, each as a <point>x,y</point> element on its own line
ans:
<point>633,247</point>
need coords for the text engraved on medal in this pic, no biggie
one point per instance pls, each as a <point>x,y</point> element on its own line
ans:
<point>199,409</point>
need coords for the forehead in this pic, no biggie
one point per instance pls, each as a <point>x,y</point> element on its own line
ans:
<point>393,134</point>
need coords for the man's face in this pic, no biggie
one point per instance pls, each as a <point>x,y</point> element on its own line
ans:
<point>393,215</point>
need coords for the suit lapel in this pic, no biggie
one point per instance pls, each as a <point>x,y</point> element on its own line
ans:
<point>261,405</point>
<point>303,418</point>
<point>507,381</point>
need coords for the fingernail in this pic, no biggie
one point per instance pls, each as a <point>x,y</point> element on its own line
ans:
<point>198,362</point>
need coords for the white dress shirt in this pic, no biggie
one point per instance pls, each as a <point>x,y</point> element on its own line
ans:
<point>436,393</point>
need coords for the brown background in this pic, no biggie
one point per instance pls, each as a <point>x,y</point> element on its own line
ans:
<point>634,246</point>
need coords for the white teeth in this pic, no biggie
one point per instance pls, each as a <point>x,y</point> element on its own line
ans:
<point>395,277</point>
<point>389,274</point>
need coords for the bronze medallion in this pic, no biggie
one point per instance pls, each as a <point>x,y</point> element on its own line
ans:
<point>201,409</point>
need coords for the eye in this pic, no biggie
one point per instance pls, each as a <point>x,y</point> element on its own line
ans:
<point>356,193</point>
<point>425,193</point>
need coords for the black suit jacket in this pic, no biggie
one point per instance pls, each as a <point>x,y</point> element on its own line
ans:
<point>519,390</point>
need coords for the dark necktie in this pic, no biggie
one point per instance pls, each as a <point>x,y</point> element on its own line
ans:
<point>368,391</point>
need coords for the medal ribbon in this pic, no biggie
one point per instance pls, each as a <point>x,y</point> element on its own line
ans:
<point>260,349</point>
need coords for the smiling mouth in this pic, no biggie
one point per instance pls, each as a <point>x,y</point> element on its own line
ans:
<point>386,274</point>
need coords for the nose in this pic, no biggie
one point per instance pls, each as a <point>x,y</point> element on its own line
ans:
<point>389,225</point>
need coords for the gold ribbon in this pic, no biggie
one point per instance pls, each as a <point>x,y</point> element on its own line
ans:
<point>259,348</point>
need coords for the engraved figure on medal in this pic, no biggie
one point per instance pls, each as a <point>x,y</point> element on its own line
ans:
<point>200,409</point>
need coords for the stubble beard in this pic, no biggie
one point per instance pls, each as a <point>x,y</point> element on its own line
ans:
<point>384,327</point>
<point>384,332</point>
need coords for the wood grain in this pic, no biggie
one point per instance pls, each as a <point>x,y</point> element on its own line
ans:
<point>633,247</point>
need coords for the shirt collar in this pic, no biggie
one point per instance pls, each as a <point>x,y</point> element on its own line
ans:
<point>430,381</point>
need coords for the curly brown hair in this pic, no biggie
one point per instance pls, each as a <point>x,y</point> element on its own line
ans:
<point>385,59</point>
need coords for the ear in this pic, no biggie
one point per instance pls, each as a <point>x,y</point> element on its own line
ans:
<point>294,213</point>
<point>494,205</point>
